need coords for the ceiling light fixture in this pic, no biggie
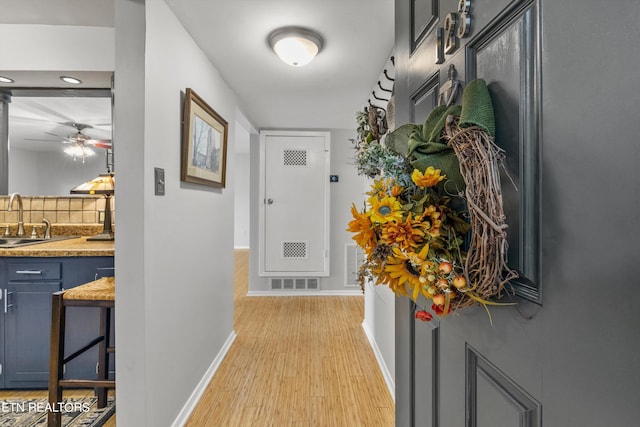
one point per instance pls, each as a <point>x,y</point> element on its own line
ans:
<point>4,79</point>
<point>79,150</point>
<point>71,80</point>
<point>295,46</point>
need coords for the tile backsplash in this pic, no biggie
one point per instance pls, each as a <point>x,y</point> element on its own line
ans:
<point>57,209</point>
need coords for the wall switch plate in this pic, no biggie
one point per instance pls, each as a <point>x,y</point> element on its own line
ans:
<point>158,179</point>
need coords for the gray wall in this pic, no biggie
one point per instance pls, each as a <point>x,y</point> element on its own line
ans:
<point>174,253</point>
<point>51,173</point>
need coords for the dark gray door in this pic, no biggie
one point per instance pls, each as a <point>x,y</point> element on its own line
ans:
<point>566,104</point>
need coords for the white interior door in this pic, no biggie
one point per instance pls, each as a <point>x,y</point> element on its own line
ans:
<point>295,209</point>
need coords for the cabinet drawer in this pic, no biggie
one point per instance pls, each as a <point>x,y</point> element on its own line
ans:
<point>35,271</point>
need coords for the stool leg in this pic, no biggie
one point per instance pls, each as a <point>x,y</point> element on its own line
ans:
<point>103,355</point>
<point>56,356</point>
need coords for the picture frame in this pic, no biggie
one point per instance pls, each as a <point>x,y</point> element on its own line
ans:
<point>204,143</point>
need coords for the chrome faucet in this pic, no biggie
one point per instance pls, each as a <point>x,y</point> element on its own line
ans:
<point>20,232</point>
<point>47,229</point>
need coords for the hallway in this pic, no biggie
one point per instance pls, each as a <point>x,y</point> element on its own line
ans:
<point>297,361</point>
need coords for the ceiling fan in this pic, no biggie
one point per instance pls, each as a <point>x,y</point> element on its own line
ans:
<point>81,142</point>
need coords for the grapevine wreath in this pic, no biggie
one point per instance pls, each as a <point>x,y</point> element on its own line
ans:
<point>433,225</point>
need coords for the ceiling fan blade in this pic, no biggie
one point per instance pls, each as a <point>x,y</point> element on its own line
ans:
<point>78,126</point>
<point>37,107</point>
<point>100,143</point>
<point>64,139</point>
<point>30,119</point>
<point>37,139</point>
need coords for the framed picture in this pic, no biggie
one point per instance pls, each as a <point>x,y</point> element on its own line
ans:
<point>204,143</point>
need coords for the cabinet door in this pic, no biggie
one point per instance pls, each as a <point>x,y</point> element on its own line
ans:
<point>27,334</point>
<point>83,323</point>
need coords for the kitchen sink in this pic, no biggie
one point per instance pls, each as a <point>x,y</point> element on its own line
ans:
<point>14,241</point>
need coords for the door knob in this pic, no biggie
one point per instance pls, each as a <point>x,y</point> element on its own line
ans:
<point>269,201</point>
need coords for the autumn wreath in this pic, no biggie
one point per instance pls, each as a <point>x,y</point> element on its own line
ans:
<point>433,226</point>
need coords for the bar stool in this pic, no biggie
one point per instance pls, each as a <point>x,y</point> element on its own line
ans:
<point>99,293</point>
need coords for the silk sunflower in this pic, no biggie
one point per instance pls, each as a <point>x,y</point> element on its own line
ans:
<point>385,209</point>
<point>402,273</point>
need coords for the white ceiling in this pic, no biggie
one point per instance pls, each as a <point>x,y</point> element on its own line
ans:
<point>325,94</point>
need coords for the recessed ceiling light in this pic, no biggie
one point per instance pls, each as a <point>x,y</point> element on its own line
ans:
<point>295,46</point>
<point>71,80</point>
<point>4,79</point>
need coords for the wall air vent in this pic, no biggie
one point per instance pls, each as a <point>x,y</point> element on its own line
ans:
<point>295,283</point>
<point>295,158</point>
<point>294,250</point>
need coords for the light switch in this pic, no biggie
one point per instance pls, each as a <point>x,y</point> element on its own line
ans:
<point>158,174</point>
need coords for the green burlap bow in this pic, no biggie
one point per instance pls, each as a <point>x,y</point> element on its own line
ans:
<point>423,146</point>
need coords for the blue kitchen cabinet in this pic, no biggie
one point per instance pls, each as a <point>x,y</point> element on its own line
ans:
<point>25,323</point>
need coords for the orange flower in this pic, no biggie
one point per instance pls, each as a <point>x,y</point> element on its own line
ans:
<point>429,178</point>
<point>361,224</point>
<point>406,235</point>
<point>396,190</point>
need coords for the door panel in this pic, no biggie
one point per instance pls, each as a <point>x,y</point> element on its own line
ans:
<point>426,354</point>
<point>504,54</point>
<point>494,399</point>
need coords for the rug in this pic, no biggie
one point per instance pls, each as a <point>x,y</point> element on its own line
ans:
<point>76,412</point>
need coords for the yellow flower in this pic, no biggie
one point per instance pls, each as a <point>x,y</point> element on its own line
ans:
<point>361,224</point>
<point>401,272</point>
<point>406,235</point>
<point>429,178</point>
<point>384,210</point>
<point>379,188</point>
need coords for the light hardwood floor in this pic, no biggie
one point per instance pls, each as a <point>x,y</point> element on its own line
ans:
<point>297,361</point>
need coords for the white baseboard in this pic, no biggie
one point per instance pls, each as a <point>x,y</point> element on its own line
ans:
<point>386,374</point>
<point>193,400</point>
<point>306,293</point>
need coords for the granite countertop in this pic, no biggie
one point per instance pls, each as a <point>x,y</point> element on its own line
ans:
<point>62,248</point>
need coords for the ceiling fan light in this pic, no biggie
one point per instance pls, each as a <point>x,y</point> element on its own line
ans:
<point>295,46</point>
<point>71,80</point>
<point>79,151</point>
<point>4,79</point>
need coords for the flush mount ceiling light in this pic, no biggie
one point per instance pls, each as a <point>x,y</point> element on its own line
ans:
<point>4,79</point>
<point>295,46</point>
<point>71,80</point>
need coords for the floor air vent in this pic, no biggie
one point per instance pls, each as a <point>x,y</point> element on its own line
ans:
<point>295,283</point>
